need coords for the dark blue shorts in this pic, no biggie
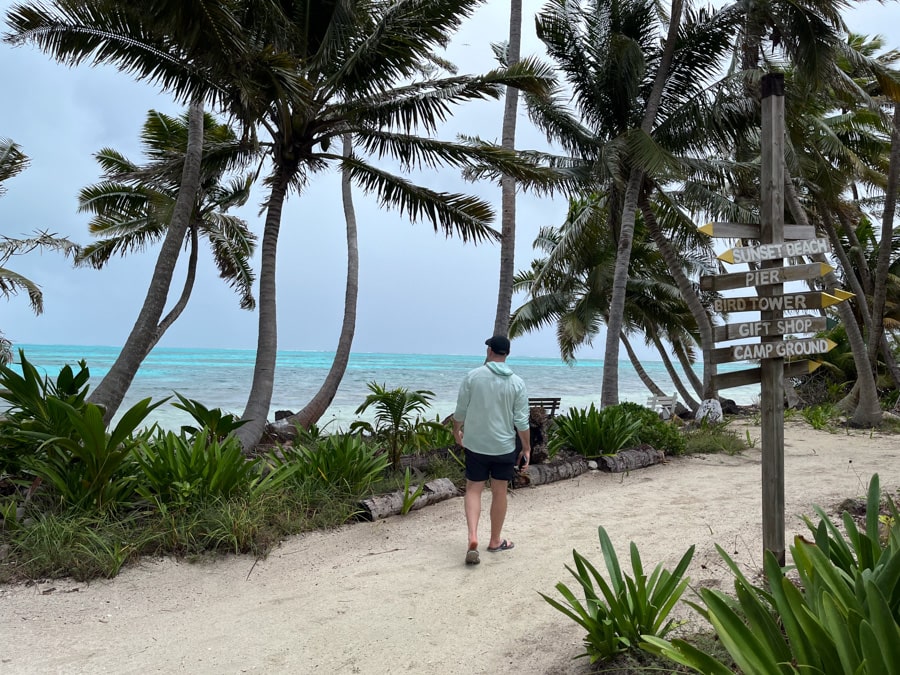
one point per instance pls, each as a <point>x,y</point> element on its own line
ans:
<point>480,467</point>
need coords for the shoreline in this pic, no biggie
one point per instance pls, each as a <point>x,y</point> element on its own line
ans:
<point>395,596</point>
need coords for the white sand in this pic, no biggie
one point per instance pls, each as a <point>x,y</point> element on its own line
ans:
<point>395,597</point>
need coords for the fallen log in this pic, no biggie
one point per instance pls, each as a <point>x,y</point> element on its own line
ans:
<point>391,504</point>
<point>633,458</point>
<point>540,474</point>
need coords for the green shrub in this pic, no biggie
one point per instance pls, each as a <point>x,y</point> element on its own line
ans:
<point>841,618</point>
<point>712,438</point>
<point>591,432</point>
<point>342,461</point>
<point>30,419</point>
<point>617,614</point>
<point>218,424</point>
<point>661,434</point>
<point>91,468</point>
<point>176,470</point>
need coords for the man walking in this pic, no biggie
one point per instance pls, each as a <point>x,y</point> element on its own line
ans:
<point>492,407</point>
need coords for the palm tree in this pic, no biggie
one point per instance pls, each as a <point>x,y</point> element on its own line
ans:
<point>510,56</point>
<point>316,407</point>
<point>132,206</point>
<point>611,57</point>
<point>12,162</point>
<point>569,287</point>
<point>199,51</point>
<point>364,79</point>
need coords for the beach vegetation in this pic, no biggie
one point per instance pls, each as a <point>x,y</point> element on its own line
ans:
<point>397,421</point>
<point>93,468</point>
<point>182,469</point>
<point>217,423</point>
<point>665,435</point>
<point>591,432</point>
<point>346,463</point>
<point>620,610</point>
<point>29,417</point>
<point>821,417</point>
<point>713,437</point>
<point>840,615</point>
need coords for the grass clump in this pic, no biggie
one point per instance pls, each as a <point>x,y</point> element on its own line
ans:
<point>711,438</point>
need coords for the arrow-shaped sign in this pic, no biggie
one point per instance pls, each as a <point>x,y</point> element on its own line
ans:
<point>787,302</point>
<point>764,277</point>
<point>772,350</point>
<point>740,378</point>
<point>787,249</point>
<point>745,231</point>
<point>785,326</point>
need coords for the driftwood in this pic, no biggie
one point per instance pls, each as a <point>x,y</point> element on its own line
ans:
<point>539,474</point>
<point>633,458</point>
<point>382,506</point>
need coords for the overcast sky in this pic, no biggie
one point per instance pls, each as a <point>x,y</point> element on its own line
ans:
<point>419,292</point>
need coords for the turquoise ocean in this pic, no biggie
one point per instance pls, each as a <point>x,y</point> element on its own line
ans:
<point>220,378</point>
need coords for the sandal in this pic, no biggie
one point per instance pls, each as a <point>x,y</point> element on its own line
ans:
<point>504,546</point>
<point>472,557</point>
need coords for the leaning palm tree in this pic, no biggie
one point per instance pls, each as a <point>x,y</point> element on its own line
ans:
<point>202,52</point>
<point>132,206</point>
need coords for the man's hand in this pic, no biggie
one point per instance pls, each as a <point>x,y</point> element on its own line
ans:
<point>524,459</point>
<point>458,433</point>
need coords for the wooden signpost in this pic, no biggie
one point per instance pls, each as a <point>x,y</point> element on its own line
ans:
<point>768,275</point>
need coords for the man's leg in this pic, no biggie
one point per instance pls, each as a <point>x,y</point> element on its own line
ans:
<point>472,502</point>
<point>498,511</point>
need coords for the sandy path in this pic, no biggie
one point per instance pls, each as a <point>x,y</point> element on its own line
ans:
<point>395,597</point>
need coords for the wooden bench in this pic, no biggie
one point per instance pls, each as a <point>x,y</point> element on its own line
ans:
<point>549,404</point>
<point>665,405</point>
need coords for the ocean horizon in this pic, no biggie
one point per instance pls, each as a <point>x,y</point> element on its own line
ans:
<point>221,378</point>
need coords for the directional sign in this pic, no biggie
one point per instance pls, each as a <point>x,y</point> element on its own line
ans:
<point>740,378</point>
<point>772,350</point>
<point>742,231</point>
<point>787,302</point>
<point>842,294</point>
<point>764,277</point>
<point>788,249</point>
<point>785,326</point>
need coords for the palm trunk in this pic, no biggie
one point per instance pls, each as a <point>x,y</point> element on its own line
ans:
<point>259,400</point>
<point>887,231</point>
<point>639,368</point>
<point>856,285</point>
<point>112,389</point>
<point>670,369</point>
<point>317,406</point>
<point>688,367</point>
<point>867,412</point>
<point>609,394</point>
<point>690,297</point>
<point>858,251</point>
<point>507,183</point>
<point>186,291</point>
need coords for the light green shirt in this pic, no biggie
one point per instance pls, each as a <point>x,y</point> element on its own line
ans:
<point>492,405</point>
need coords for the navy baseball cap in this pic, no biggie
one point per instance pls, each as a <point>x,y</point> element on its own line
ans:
<point>499,344</point>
